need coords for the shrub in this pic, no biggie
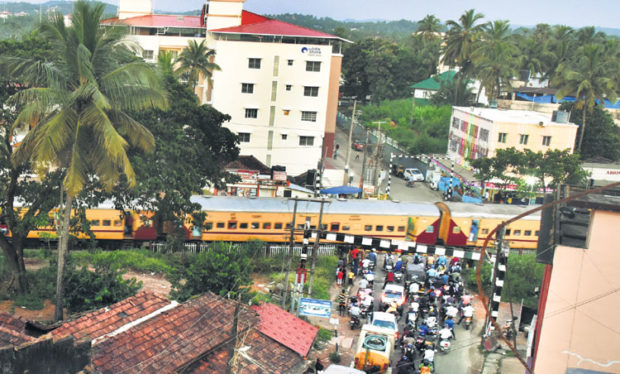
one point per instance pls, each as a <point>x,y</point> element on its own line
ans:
<point>135,259</point>
<point>324,335</point>
<point>334,357</point>
<point>30,301</point>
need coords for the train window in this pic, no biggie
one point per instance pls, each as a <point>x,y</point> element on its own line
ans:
<point>288,226</point>
<point>456,230</point>
<point>508,231</point>
<point>243,225</point>
<point>537,232</point>
<point>390,228</point>
<point>267,226</point>
<point>379,227</point>
<point>208,225</point>
<point>345,228</point>
<point>335,227</point>
<point>117,222</point>
<point>106,222</point>
<point>232,225</point>
<point>312,227</point>
<point>94,222</point>
<point>220,225</point>
<point>430,229</point>
<point>300,226</point>
<point>324,226</point>
<point>517,233</point>
<point>527,233</point>
<point>255,225</point>
<point>278,226</point>
<point>368,228</point>
<point>485,231</point>
<point>401,228</point>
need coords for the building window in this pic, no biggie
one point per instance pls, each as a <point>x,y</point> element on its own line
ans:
<point>290,62</point>
<point>244,137</point>
<point>147,54</point>
<point>546,140</point>
<point>288,87</point>
<point>306,140</point>
<point>251,113</point>
<point>502,137</point>
<point>484,135</point>
<point>308,116</point>
<point>455,123</point>
<point>523,139</point>
<point>247,88</point>
<point>313,66</point>
<point>254,63</point>
<point>284,136</point>
<point>311,91</point>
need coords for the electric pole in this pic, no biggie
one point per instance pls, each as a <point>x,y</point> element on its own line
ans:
<point>346,165</point>
<point>363,167</point>
<point>377,158</point>
<point>290,256</point>
<point>315,248</point>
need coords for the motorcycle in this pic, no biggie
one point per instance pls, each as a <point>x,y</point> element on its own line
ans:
<point>444,345</point>
<point>467,323</point>
<point>370,277</point>
<point>355,322</point>
<point>398,277</point>
<point>410,184</point>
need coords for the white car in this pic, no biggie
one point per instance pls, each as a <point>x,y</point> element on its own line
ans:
<point>393,293</point>
<point>386,321</point>
<point>414,174</point>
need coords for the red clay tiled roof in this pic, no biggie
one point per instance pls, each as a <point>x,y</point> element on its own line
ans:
<point>12,337</point>
<point>12,322</point>
<point>172,339</point>
<point>157,20</point>
<point>105,320</point>
<point>285,328</point>
<point>275,27</point>
<point>265,355</point>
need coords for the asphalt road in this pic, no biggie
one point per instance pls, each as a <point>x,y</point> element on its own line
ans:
<point>463,357</point>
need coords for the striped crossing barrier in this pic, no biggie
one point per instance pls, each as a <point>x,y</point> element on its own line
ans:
<point>388,245</point>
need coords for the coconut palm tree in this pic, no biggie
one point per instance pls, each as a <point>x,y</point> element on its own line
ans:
<point>461,40</point>
<point>195,60</point>
<point>589,77</point>
<point>77,103</point>
<point>429,27</point>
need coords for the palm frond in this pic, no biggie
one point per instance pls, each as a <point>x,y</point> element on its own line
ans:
<point>137,135</point>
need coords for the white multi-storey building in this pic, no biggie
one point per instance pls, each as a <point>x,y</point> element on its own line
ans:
<point>279,82</point>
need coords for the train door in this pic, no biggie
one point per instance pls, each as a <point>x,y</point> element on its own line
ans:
<point>444,223</point>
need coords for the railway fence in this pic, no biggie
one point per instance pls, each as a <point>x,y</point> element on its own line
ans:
<point>266,250</point>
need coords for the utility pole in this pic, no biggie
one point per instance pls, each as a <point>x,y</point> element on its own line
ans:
<point>315,247</point>
<point>377,158</point>
<point>496,270</point>
<point>346,166</point>
<point>363,167</point>
<point>290,255</point>
<point>233,345</point>
<point>412,106</point>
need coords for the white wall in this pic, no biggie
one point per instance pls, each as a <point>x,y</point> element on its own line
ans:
<point>233,57</point>
<point>224,14</point>
<point>134,8</point>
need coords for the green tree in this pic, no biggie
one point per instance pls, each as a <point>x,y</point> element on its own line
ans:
<point>196,60</point>
<point>589,77</point>
<point>495,58</point>
<point>601,138</point>
<point>523,275</point>
<point>454,92</point>
<point>429,27</point>
<point>461,41</point>
<point>553,167</point>
<point>78,102</point>
<point>224,268</point>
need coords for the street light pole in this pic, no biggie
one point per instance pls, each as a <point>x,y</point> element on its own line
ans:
<point>377,152</point>
<point>346,166</point>
<point>361,194</point>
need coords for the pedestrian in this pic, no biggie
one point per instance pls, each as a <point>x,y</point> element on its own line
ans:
<point>318,367</point>
<point>336,151</point>
<point>357,156</point>
<point>340,275</point>
<point>351,275</point>
<point>342,302</point>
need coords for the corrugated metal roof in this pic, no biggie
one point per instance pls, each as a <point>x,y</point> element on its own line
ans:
<point>504,211</point>
<point>274,205</point>
<point>434,83</point>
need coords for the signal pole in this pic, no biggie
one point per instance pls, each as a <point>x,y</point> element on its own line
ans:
<point>315,248</point>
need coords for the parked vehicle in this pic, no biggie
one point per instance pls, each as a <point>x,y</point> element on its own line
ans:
<point>355,322</point>
<point>385,321</point>
<point>374,349</point>
<point>413,173</point>
<point>398,170</point>
<point>357,145</point>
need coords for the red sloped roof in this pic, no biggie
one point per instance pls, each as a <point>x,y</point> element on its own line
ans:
<point>249,18</point>
<point>157,20</point>
<point>274,27</point>
<point>285,328</point>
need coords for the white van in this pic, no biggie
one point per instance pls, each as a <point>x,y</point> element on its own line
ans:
<point>414,173</point>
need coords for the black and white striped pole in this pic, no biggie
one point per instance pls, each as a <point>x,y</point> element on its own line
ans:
<point>499,276</point>
<point>389,182</point>
<point>317,180</point>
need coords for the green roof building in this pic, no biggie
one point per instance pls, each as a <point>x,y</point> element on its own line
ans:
<point>428,87</point>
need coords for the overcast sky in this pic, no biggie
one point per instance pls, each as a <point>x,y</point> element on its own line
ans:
<point>576,13</point>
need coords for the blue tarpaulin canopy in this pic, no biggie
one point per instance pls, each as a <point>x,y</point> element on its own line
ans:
<point>344,190</point>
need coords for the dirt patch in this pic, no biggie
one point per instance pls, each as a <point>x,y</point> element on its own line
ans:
<point>33,263</point>
<point>260,283</point>
<point>152,282</point>
<point>44,315</point>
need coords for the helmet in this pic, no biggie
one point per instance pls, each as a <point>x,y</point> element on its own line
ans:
<point>409,345</point>
<point>405,358</point>
<point>374,250</point>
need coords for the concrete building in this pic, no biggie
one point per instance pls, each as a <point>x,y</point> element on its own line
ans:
<point>279,82</point>
<point>576,329</point>
<point>480,132</point>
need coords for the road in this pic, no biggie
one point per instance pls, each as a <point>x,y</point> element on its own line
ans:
<point>399,191</point>
<point>463,357</point>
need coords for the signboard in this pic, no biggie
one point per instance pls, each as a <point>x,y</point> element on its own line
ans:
<point>279,175</point>
<point>311,51</point>
<point>315,308</point>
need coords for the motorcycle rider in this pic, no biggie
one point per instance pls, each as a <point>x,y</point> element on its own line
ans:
<point>363,284</point>
<point>466,299</point>
<point>450,324</point>
<point>399,264</point>
<point>414,287</point>
<point>468,311</point>
<point>445,333</point>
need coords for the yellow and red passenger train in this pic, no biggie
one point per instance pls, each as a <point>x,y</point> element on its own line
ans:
<point>240,219</point>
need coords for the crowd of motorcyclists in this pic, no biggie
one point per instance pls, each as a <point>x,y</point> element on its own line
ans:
<point>436,301</point>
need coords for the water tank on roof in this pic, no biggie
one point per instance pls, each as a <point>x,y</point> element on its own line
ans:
<point>560,116</point>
